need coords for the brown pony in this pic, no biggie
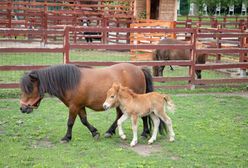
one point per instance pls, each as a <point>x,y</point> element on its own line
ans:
<point>177,54</point>
<point>80,88</point>
<point>134,105</point>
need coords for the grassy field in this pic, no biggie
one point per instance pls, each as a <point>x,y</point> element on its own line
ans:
<point>211,131</point>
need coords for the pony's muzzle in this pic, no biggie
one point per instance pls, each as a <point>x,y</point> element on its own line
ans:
<point>26,109</point>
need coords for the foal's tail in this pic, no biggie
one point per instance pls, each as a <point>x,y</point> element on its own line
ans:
<point>170,106</point>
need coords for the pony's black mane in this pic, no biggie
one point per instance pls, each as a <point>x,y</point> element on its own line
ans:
<point>54,80</point>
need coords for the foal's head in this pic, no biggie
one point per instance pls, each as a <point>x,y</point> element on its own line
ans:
<point>115,94</point>
<point>112,97</point>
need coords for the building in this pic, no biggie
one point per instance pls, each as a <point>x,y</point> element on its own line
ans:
<point>156,9</point>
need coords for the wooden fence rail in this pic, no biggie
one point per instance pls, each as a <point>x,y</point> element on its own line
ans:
<point>189,78</point>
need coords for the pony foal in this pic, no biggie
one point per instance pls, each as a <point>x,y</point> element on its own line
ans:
<point>138,105</point>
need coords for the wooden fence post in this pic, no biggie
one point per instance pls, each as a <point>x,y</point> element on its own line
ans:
<point>66,54</point>
<point>224,22</point>
<point>188,24</point>
<point>193,58</point>
<point>241,54</point>
<point>104,34</point>
<point>218,41</point>
<point>9,13</point>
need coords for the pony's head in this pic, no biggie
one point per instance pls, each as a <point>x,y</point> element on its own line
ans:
<point>158,70</point>
<point>30,97</point>
<point>112,97</point>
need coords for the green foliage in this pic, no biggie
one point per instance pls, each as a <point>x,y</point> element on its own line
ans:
<point>184,7</point>
<point>212,5</point>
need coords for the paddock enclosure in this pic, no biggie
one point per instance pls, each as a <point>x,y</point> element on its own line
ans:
<point>36,34</point>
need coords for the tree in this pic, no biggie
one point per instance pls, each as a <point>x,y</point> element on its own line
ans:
<point>212,4</point>
<point>184,7</point>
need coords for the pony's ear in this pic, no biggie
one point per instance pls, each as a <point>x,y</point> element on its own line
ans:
<point>33,76</point>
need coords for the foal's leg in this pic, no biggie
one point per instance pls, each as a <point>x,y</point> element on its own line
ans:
<point>156,122</point>
<point>119,123</point>
<point>165,118</point>
<point>112,128</point>
<point>70,123</point>
<point>83,117</point>
<point>135,130</point>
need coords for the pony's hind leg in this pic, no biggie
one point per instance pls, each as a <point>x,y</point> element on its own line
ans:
<point>146,130</point>
<point>83,117</point>
<point>135,130</point>
<point>156,122</point>
<point>166,119</point>
<point>112,128</point>
<point>119,123</point>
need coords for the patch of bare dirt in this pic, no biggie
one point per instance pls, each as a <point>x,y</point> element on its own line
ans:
<point>143,149</point>
<point>44,143</point>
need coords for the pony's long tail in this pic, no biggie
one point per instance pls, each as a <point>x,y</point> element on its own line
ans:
<point>170,107</point>
<point>149,88</point>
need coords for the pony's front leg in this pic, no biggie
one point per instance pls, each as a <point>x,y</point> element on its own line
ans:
<point>83,117</point>
<point>119,123</point>
<point>112,128</point>
<point>135,130</point>
<point>156,122</point>
<point>70,123</point>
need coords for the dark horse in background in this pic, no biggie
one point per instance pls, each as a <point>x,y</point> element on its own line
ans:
<point>79,88</point>
<point>90,36</point>
<point>175,54</point>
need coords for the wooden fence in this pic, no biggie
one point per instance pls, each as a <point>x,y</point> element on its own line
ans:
<point>189,79</point>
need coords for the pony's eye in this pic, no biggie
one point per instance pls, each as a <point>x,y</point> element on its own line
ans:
<point>112,97</point>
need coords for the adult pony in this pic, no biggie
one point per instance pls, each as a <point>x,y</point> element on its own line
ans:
<point>175,54</point>
<point>80,88</point>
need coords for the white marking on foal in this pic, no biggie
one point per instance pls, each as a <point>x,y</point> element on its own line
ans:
<point>156,122</point>
<point>135,131</point>
<point>119,123</point>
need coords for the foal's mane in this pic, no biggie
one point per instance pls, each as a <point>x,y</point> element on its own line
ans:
<point>55,80</point>
<point>129,91</point>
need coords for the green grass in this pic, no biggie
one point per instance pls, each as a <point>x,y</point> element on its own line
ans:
<point>211,131</point>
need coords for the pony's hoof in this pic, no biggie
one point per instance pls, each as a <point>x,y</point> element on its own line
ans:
<point>145,135</point>
<point>65,140</point>
<point>133,143</point>
<point>108,135</point>
<point>123,137</point>
<point>96,136</point>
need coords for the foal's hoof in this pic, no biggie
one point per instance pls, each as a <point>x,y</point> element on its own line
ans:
<point>171,139</point>
<point>133,143</point>
<point>96,136</point>
<point>108,135</point>
<point>123,137</point>
<point>150,141</point>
